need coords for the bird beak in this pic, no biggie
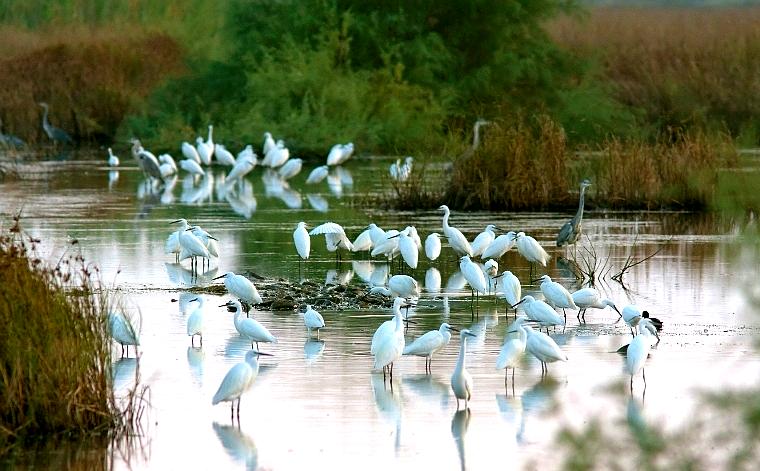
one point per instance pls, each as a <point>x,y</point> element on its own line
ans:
<point>393,236</point>
<point>470,334</point>
<point>454,329</point>
<point>223,305</point>
<point>262,353</point>
<point>210,237</point>
<point>189,229</point>
<point>220,276</point>
<point>521,301</point>
<point>175,222</point>
<point>616,310</point>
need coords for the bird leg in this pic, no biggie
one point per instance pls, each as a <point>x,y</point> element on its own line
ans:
<point>238,410</point>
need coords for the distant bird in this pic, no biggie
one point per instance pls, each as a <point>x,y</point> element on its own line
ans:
<point>461,380</point>
<point>248,328</point>
<point>123,331</point>
<point>291,168</point>
<point>190,152</point>
<point>241,287</point>
<point>512,349</point>
<point>268,145</point>
<point>483,240</point>
<point>457,240</point>
<point>429,344</point>
<point>401,172</point>
<point>500,245</point>
<point>57,135</point>
<point>586,298</point>
<point>433,246</point>
<point>241,168</point>
<point>511,288</point>
<point>474,275</point>
<point>113,161</point>
<point>339,153</point>
<point>313,320</point>
<point>317,175</point>
<point>223,156</point>
<point>475,137</point>
<point>531,250</point>
<point>409,251</point>
<point>147,162</point>
<point>376,233</point>
<point>557,295</point>
<point>638,351</point>
<point>237,381</point>
<point>543,347</point>
<point>192,167</point>
<point>540,312</point>
<point>167,165</point>
<point>9,140</point>
<point>276,157</point>
<point>571,230</point>
<point>204,152</point>
<point>363,242</point>
<point>195,321</point>
<point>388,344</point>
<point>302,241</point>
<point>335,237</point>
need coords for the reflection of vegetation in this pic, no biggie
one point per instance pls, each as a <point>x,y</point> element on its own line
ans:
<point>55,377</point>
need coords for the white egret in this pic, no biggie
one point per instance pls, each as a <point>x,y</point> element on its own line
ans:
<point>317,175</point>
<point>246,154</point>
<point>190,152</point>
<point>543,347</point>
<point>313,320</point>
<point>540,312</point>
<point>203,151</point>
<point>237,381</point>
<point>168,167</point>
<point>409,251</point>
<point>363,242</point>
<point>491,269</point>
<point>404,286</point>
<point>113,161</point>
<point>277,157</point>
<point>456,239</point>
<point>172,242</point>
<point>461,380</point>
<point>241,287</point>
<point>631,314</point>
<point>333,157</point>
<point>529,248</point>
<point>415,236</point>
<point>123,331</point>
<point>242,168</point>
<point>335,237</point>
<point>433,246</point>
<point>483,240</point>
<point>401,172</point>
<point>248,328</point>
<point>376,234</point>
<point>512,349</point>
<point>347,152</point>
<point>386,327</point>
<point>500,245</point>
<point>302,240</point>
<point>474,276</point>
<point>586,298</point>
<point>223,156</point>
<point>268,145</point>
<point>388,344</point>
<point>291,168</point>
<point>638,351</point>
<point>195,321</point>
<point>571,230</point>
<point>557,295</point>
<point>429,344</point>
<point>190,245</point>
<point>511,288</point>
<point>210,143</point>
<point>208,240</point>
<point>388,246</point>
<point>191,166</point>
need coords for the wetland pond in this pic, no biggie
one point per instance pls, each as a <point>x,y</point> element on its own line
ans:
<point>316,403</point>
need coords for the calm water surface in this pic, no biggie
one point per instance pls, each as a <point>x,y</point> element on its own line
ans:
<point>316,404</point>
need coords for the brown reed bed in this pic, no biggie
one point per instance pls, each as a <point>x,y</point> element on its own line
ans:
<point>55,357</point>
<point>684,67</point>
<point>91,79</point>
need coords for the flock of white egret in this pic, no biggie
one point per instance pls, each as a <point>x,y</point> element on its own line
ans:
<point>388,342</point>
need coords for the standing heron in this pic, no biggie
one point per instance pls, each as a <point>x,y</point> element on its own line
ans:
<point>430,343</point>
<point>123,331</point>
<point>241,287</point>
<point>248,328</point>
<point>457,240</point>
<point>571,231</point>
<point>461,380</point>
<point>237,381</point>
<point>312,319</point>
<point>54,133</point>
<point>475,137</point>
<point>512,349</point>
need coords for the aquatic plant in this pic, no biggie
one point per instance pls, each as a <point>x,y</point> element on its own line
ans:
<point>55,357</point>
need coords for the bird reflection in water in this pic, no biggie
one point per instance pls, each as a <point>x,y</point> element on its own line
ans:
<point>511,410</point>
<point>388,404</point>
<point>113,178</point>
<point>182,276</point>
<point>195,358</point>
<point>540,399</point>
<point>312,350</point>
<point>429,388</point>
<point>318,202</point>
<point>239,446</point>
<point>124,373</point>
<point>459,423</point>
<point>433,280</point>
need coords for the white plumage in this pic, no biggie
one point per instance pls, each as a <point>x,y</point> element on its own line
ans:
<point>190,152</point>
<point>313,319</point>
<point>404,286</point>
<point>237,381</point>
<point>317,175</point>
<point>302,240</point>
<point>500,245</point>
<point>543,347</point>
<point>248,328</point>
<point>191,166</point>
<point>241,287</point>
<point>531,249</point>
<point>557,295</point>
<point>510,287</point>
<point>241,168</point>
<point>195,321</point>
<point>335,236</point>
<point>586,298</point>
<point>408,248</point>
<point>483,240</point>
<point>429,344</point>
<point>291,168</point>
<point>363,241</point>
<point>456,239</point>
<point>541,312</point>
<point>461,380</point>
<point>113,161</point>
<point>388,344</point>
<point>122,331</point>
<point>513,348</point>
<point>223,156</point>
<point>473,274</point>
<point>433,246</point>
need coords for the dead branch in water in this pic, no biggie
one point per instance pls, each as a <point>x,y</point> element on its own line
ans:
<point>631,262</point>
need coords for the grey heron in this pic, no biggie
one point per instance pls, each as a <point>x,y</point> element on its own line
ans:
<point>571,230</point>
<point>54,133</point>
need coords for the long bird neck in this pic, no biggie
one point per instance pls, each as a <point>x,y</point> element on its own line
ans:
<point>399,321</point>
<point>581,203</point>
<point>210,134</point>
<point>461,358</point>
<point>445,220</point>
<point>45,122</point>
<point>523,335</point>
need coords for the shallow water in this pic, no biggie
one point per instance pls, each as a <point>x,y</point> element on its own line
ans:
<point>317,403</point>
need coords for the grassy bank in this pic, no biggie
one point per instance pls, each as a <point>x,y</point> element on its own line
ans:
<point>55,357</point>
<point>682,68</point>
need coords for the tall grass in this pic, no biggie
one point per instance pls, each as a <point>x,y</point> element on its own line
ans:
<point>55,378</point>
<point>90,79</point>
<point>684,68</point>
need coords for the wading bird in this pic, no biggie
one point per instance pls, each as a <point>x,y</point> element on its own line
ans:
<point>123,331</point>
<point>500,245</point>
<point>638,350</point>
<point>557,295</point>
<point>512,349</point>
<point>195,321</point>
<point>317,175</point>
<point>57,135</point>
<point>223,156</point>
<point>539,311</point>
<point>483,240</point>
<point>237,381</point>
<point>241,287</point>
<point>190,152</point>
<point>429,344</point>
<point>433,246</point>
<point>335,237</point>
<point>511,288</point>
<point>388,344</point>
<point>461,381</point>
<point>529,248</point>
<point>474,276</point>
<point>456,239</point>
<point>113,161</point>
<point>248,328</point>
<point>571,230</point>
<point>544,348</point>
<point>587,298</point>
<point>313,320</point>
